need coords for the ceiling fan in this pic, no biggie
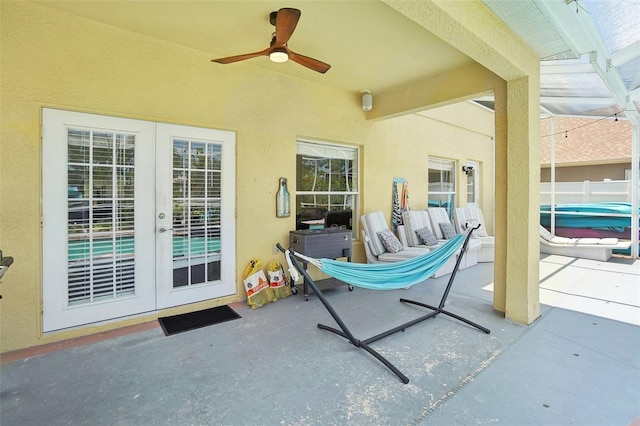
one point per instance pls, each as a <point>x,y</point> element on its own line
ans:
<point>285,21</point>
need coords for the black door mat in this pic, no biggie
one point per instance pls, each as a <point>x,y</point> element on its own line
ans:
<point>192,320</point>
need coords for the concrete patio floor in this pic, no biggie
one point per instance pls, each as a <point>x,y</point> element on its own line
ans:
<point>578,364</point>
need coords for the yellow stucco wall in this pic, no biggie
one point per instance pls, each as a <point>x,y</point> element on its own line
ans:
<point>52,59</point>
<point>477,131</point>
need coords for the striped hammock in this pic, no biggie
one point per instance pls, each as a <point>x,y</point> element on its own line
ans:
<point>385,276</point>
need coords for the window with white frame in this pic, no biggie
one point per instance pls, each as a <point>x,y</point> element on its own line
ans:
<point>442,184</point>
<point>327,185</point>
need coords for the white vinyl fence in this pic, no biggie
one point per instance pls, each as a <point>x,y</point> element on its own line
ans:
<point>587,192</point>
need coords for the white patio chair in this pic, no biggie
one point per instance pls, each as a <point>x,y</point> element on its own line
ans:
<point>438,215</point>
<point>470,215</point>
<point>376,252</point>
<point>415,220</point>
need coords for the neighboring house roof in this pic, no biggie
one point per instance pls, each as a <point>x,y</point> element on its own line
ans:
<point>585,141</point>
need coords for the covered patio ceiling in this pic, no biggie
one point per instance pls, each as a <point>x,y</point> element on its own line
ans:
<point>589,49</point>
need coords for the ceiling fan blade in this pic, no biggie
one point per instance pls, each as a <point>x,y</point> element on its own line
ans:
<point>286,21</point>
<point>237,58</point>
<point>308,62</point>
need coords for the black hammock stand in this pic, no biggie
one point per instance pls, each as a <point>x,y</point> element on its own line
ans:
<point>365,344</point>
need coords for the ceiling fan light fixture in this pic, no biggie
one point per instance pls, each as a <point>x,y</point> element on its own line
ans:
<point>279,55</point>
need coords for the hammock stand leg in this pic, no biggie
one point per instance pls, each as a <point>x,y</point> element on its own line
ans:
<point>344,330</point>
<point>440,308</point>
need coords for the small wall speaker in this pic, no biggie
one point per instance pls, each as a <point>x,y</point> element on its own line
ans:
<point>367,100</point>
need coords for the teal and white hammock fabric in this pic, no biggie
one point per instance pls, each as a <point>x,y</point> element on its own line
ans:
<point>385,276</point>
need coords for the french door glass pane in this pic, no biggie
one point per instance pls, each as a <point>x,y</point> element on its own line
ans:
<point>196,212</point>
<point>100,176</point>
<point>102,148</point>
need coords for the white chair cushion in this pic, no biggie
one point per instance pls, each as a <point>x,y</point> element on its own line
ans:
<point>448,231</point>
<point>415,220</point>
<point>390,241</point>
<point>407,253</point>
<point>596,241</point>
<point>563,240</point>
<point>461,216</point>
<point>608,241</point>
<point>426,237</point>
<point>438,215</point>
<point>475,213</point>
<point>373,223</point>
<point>471,215</point>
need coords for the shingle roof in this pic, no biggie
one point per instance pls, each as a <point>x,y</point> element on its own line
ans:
<point>587,141</point>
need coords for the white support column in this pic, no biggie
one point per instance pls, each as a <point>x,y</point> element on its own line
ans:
<point>553,175</point>
<point>635,179</point>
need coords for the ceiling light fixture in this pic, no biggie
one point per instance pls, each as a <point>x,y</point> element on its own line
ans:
<point>278,55</point>
<point>367,100</point>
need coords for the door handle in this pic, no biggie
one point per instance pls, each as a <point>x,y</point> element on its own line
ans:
<point>163,229</point>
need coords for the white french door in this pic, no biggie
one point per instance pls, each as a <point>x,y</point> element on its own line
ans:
<point>119,236</point>
<point>195,196</point>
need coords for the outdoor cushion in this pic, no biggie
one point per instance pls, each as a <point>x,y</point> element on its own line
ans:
<point>468,215</point>
<point>438,215</point>
<point>447,230</point>
<point>413,221</point>
<point>472,223</point>
<point>390,241</point>
<point>608,241</point>
<point>602,241</point>
<point>406,253</point>
<point>583,241</point>
<point>476,213</point>
<point>426,236</point>
<point>373,223</point>
<point>562,240</point>
<point>588,241</point>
